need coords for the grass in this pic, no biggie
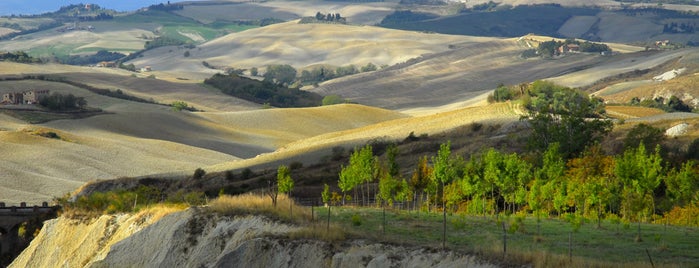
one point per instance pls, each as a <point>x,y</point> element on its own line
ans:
<point>615,244</point>
<point>249,203</point>
<point>255,204</point>
<point>611,245</point>
<point>173,24</point>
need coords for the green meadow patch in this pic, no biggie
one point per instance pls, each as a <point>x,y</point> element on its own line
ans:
<point>542,242</point>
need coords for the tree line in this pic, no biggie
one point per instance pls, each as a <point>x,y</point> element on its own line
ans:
<point>263,92</point>
<point>324,18</point>
<point>637,185</point>
<point>18,56</point>
<point>285,74</point>
<point>60,102</point>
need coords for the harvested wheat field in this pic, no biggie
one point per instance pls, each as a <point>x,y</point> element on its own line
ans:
<point>135,139</point>
<point>303,45</point>
<point>197,95</point>
<point>627,112</point>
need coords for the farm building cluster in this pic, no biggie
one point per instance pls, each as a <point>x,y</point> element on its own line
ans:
<point>26,97</point>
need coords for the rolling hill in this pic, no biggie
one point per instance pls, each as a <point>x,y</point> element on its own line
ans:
<point>441,80</point>
<point>134,139</point>
<point>302,45</point>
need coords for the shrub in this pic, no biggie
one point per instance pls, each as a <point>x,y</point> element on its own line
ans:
<point>198,174</point>
<point>179,106</point>
<point>356,220</point>
<point>332,100</point>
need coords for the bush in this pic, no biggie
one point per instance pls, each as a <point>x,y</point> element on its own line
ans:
<point>179,106</point>
<point>332,100</point>
<point>356,220</point>
<point>198,174</point>
<point>49,134</point>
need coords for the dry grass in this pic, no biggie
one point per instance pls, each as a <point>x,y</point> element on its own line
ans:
<point>626,112</point>
<point>257,204</point>
<point>320,231</point>
<point>158,211</point>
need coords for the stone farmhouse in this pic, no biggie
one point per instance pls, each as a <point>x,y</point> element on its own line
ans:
<point>568,48</point>
<point>26,97</point>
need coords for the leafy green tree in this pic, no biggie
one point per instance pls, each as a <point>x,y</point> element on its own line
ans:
<point>565,116</point>
<point>640,172</point>
<point>515,177</point>
<point>473,183</point>
<point>643,133</point>
<point>389,187</point>
<point>285,183</point>
<point>591,182</point>
<point>326,199</point>
<point>683,184</point>
<point>492,168</point>
<point>391,154</point>
<point>281,74</point>
<point>502,93</point>
<point>360,170</point>
<point>420,179</point>
<point>57,102</point>
<point>198,174</point>
<point>676,104</point>
<point>369,67</point>
<point>548,48</point>
<point>443,173</point>
<point>549,180</point>
<point>325,195</point>
<point>346,70</point>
